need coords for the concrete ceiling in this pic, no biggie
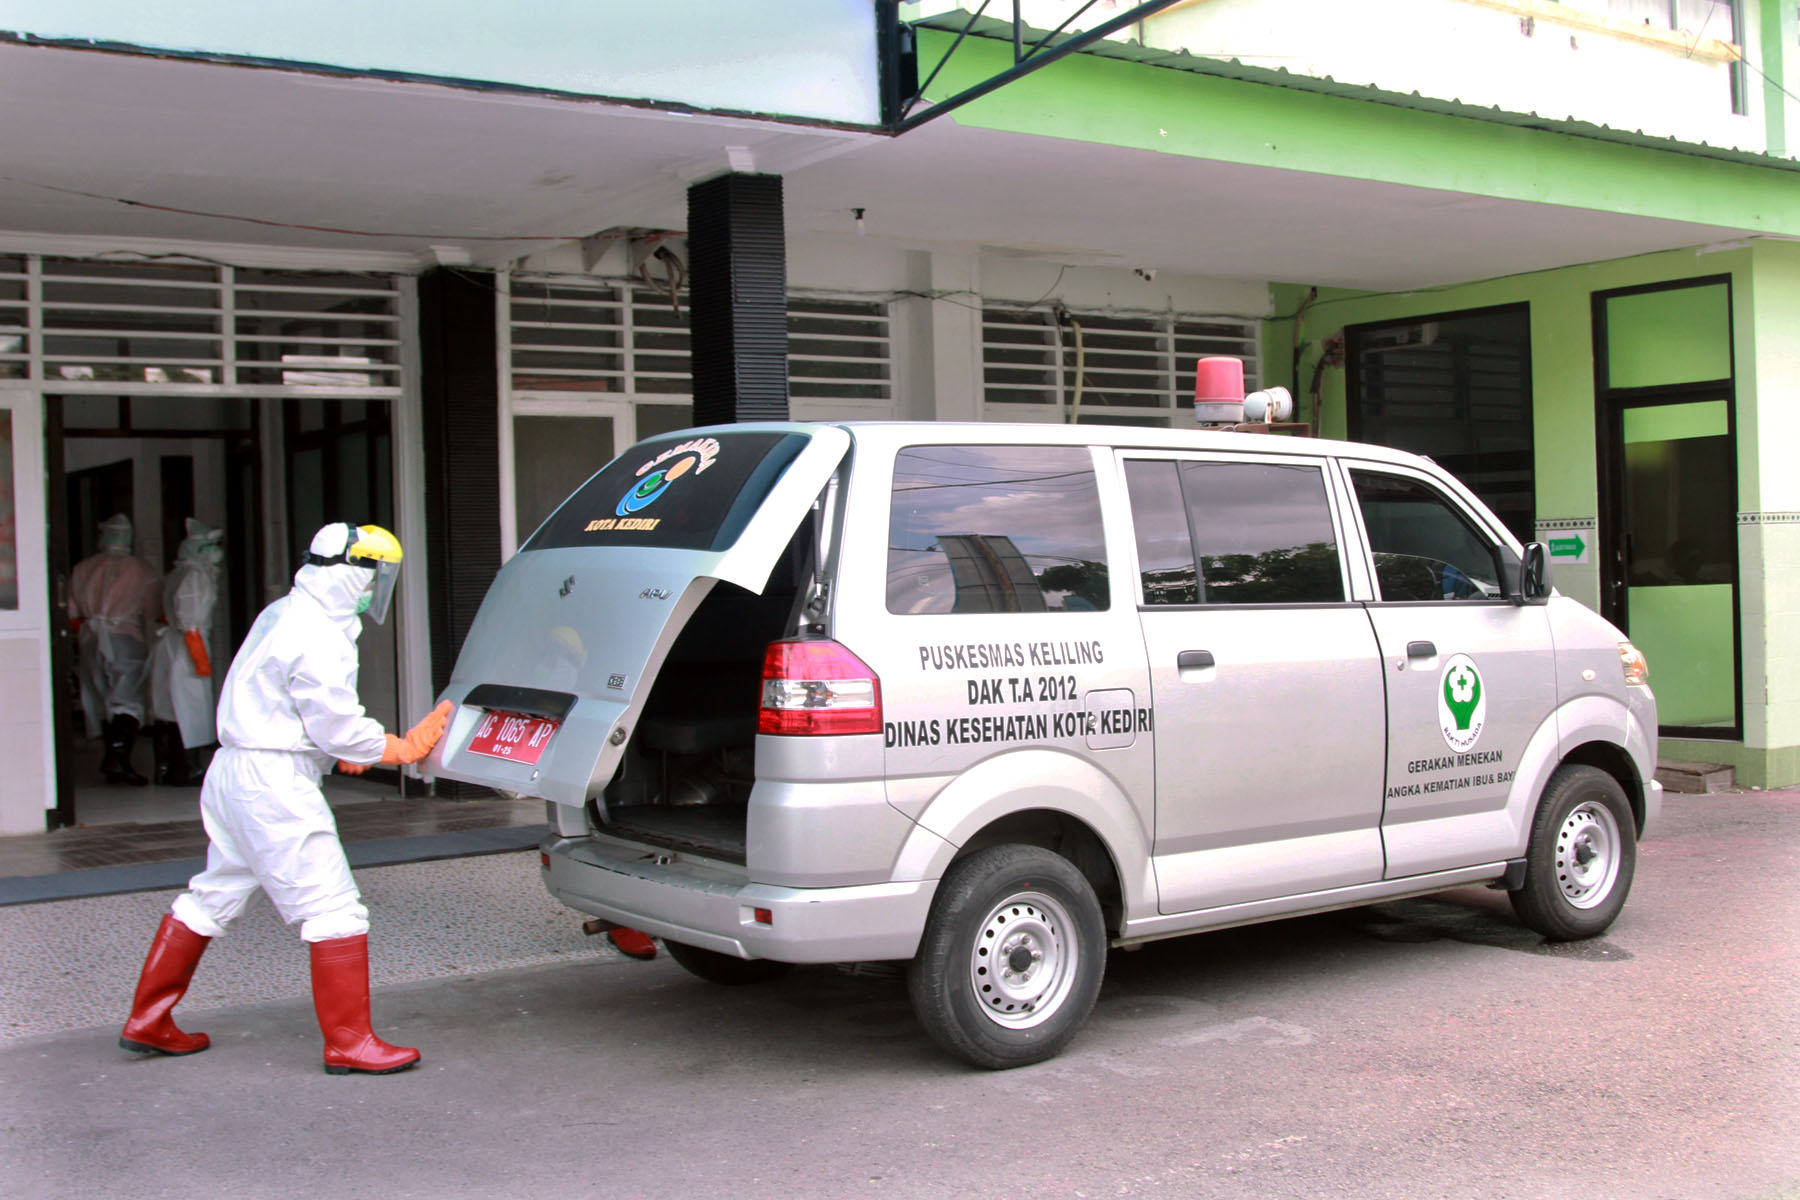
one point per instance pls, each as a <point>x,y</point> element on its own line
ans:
<point>315,162</point>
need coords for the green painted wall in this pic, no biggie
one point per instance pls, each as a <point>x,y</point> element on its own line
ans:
<point>1765,281</point>
<point>1109,101</point>
<point>1562,360</point>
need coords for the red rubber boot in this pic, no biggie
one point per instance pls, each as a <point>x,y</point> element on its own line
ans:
<point>340,980</point>
<point>631,943</point>
<point>174,953</point>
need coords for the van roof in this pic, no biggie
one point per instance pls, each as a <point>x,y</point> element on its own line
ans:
<point>893,434</point>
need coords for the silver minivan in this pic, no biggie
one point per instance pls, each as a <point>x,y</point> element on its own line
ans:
<point>987,699</point>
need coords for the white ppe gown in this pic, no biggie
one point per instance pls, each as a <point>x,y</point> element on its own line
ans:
<point>288,709</point>
<point>178,692</point>
<point>115,596</point>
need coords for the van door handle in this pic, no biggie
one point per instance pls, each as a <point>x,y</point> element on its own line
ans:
<point>1420,650</point>
<point>1193,660</point>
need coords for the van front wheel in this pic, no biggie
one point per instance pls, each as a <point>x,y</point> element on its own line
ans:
<point>1012,957</point>
<point>1581,857</point>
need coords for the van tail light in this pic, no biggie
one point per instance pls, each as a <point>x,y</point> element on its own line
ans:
<point>815,687</point>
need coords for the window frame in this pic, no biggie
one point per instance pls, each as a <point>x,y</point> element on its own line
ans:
<point>1333,508</point>
<point>1448,489</point>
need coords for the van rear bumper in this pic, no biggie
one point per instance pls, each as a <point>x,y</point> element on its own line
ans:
<point>713,905</point>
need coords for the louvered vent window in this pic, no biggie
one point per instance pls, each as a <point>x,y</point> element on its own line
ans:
<point>1133,370</point>
<point>298,328</point>
<point>172,324</point>
<point>578,335</point>
<point>15,333</point>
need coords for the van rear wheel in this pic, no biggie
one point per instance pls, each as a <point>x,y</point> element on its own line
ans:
<point>1581,857</point>
<point>1011,959</point>
<point>724,969</point>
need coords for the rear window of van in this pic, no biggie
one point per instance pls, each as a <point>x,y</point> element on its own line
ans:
<point>683,492</point>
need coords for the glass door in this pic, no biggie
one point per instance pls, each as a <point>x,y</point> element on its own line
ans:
<point>32,627</point>
<point>557,443</point>
<point>1677,571</point>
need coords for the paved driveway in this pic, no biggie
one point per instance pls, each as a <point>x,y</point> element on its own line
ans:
<point>1419,1049</point>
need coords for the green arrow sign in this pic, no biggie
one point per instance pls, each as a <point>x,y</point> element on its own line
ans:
<point>1573,547</point>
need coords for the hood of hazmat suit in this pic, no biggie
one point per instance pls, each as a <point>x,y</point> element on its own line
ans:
<point>115,534</point>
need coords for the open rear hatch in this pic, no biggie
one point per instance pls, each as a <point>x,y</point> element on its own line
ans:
<point>568,641</point>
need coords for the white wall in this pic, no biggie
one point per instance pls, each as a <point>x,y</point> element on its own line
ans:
<point>28,783</point>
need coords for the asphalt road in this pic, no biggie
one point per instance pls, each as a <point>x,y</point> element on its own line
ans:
<point>1420,1049</point>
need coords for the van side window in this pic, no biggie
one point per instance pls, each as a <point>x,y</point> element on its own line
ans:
<point>1424,548</point>
<point>987,529</point>
<point>1233,533</point>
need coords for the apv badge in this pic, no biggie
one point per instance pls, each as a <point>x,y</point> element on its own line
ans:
<point>1461,703</point>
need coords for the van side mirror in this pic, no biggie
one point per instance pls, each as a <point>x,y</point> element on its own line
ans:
<point>1534,575</point>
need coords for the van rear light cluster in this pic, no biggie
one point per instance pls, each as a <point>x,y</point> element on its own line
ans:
<point>815,687</point>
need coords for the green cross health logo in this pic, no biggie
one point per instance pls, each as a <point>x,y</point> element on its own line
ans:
<point>1462,703</point>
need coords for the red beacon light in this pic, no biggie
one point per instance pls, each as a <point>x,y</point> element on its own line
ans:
<point>1219,391</point>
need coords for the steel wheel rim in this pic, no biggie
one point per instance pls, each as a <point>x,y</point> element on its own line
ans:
<point>1023,963</point>
<point>1587,855</point>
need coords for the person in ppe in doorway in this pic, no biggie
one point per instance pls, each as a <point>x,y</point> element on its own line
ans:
<point>113,605</point>
<point>288,710</point>
<point>181,685</point>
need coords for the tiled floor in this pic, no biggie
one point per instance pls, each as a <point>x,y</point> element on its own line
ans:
<point>124,827</point>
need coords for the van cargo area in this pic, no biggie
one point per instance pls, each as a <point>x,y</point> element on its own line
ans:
<point>684,781</point>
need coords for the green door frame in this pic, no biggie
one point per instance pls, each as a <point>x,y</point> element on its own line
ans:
<point>1611,405</point>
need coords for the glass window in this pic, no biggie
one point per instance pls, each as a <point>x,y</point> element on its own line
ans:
<point>687,493</point>
<point>1424,549</point>
<point>1165,545</point>
<point>1457,388</point>
<point>982,529</point>
<point>552,456</point>
<point>1258,533</point>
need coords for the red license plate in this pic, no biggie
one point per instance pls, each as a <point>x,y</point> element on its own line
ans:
<point>503,735</point>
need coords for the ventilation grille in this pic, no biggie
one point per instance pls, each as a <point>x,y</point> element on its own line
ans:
<point>577,335</point>
<point>1133,369</point>
<point>79,321</point>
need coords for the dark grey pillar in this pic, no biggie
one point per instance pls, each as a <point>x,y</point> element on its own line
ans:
<point>460,399</point>
<point>737,299</point>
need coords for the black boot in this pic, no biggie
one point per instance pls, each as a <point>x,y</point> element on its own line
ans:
<point>172,759</point>
<point>116,763</point>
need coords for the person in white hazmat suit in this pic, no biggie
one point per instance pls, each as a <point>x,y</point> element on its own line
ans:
<point>114,604</point>
<point>287,711</point>
<point>181,684</point>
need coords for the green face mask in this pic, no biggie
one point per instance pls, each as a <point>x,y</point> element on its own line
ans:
<point>363,601</point>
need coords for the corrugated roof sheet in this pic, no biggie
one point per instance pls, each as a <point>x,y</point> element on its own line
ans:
<point>1231,68</point>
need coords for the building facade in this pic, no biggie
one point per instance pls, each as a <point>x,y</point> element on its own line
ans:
<point>435,267</point>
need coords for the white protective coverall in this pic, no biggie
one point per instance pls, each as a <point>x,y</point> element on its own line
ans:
<point>114,596</point>
<point>288,710</point>
<point>178,692</point>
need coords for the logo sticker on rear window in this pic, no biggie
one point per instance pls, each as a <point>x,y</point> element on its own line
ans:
<point>1462,703</point>
<point>656,476</point>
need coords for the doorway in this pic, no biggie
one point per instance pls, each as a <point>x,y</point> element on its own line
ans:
<point>1668,495</point>
<point>268,472</point>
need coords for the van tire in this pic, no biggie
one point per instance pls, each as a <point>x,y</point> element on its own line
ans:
<point>1581,857</point>
<point>725,969</point>
<point>1037,906</point>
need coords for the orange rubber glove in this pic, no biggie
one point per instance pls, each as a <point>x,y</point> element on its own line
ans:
<point>350,768</point>
<point>196,646</point>
<point>419,739</point>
